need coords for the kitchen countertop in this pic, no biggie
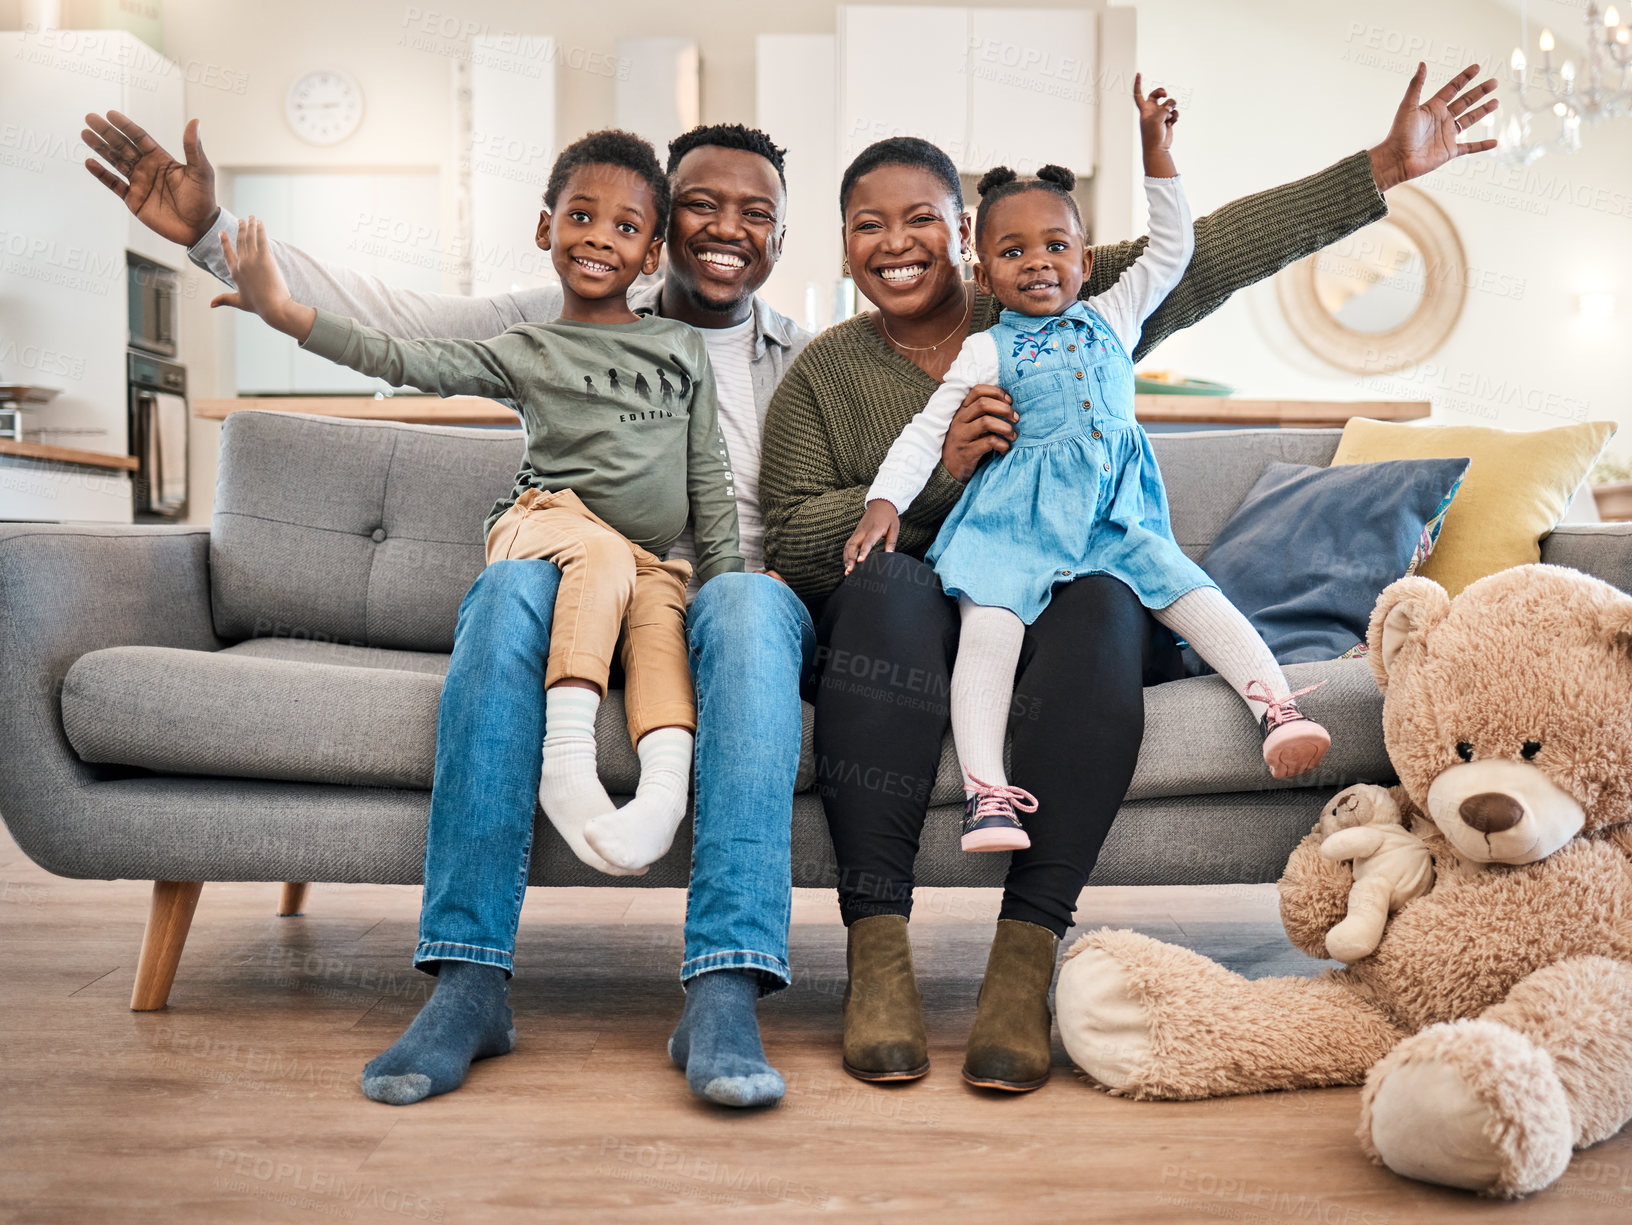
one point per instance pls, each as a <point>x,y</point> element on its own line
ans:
<point>1151,409</point>
<point>67,455</point>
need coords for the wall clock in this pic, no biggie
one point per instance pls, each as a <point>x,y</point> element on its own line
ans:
<point>324,107</point>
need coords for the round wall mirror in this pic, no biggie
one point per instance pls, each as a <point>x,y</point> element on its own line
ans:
<point>1384,297</point>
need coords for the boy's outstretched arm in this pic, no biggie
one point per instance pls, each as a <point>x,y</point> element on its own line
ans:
<point>443,367</point>
<point>176,200</point>
<point>261,287</point>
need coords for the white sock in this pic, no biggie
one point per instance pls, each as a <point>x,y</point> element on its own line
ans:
<point>569,789</point>
<point>641,832</point>
<point>1227,641</point>
<point>983,688</point>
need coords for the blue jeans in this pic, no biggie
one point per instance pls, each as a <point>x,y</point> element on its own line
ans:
<point>750,640</point>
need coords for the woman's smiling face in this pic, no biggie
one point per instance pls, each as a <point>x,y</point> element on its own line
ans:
<point>903,236</point>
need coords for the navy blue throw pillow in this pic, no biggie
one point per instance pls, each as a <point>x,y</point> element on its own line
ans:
<point>1307,554</point>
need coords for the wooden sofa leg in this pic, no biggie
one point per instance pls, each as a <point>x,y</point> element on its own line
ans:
<point>168,919</point>
<point>293,900</point>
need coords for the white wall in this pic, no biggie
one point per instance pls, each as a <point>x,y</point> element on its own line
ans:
<point>1270,89</point>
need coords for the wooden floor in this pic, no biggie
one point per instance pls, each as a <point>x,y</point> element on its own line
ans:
<point>240,1102</point>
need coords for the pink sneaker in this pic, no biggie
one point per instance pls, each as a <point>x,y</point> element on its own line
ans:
<point>989,823</point>
<point>1293,742</point>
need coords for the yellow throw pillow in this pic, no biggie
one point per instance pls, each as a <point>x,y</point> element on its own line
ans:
<point>1519,485</point>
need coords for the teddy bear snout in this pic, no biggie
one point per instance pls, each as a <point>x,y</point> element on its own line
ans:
<point>1491,812</point>
<point>1497,810</point>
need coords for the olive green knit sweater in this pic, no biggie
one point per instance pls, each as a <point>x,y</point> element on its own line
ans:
<point>844,401</point>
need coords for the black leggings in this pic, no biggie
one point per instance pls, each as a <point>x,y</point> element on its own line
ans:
<point>887,638</point>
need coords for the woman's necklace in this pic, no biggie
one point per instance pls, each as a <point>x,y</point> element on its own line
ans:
<point>963,325</point>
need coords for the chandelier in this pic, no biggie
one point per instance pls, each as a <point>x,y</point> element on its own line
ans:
<point>1599,89</point>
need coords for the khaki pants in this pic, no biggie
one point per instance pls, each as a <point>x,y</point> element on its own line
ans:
<point>608,584</point>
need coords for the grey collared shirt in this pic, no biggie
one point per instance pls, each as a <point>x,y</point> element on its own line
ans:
<point>415,314</point>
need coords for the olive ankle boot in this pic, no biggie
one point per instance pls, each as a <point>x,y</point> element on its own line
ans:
<point>1009,1046</point>
<point>883,1015</point>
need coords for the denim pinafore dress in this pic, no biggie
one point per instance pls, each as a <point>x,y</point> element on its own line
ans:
<point>1078,493</point>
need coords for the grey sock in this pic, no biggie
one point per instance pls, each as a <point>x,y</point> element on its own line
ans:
<point>467,1018</point>
<point>717,1042</point>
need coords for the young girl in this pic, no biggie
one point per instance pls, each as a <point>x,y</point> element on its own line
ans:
<point>619,454</point>
<point>1079,491</point>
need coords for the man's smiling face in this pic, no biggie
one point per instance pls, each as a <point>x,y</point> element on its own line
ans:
<point>725,233</point>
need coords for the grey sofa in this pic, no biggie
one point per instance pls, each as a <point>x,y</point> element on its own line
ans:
<point>258,701</point>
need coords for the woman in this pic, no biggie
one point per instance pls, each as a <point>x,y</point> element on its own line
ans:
<point>830,425</point>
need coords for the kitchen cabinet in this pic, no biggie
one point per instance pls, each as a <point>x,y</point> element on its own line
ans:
<point>659,88</point>
<point>1016,87</point>
<point>63,310</point>
<point>1033,91</point>
<point>45,491</point>
<point>795,102</point>
<point>903,72</point>
<point>510,110</point>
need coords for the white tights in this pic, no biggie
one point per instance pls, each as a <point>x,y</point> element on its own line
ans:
<point>989,654</point>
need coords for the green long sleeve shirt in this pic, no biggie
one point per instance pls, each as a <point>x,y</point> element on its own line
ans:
<point>849,395</point>
<point>623,414</point>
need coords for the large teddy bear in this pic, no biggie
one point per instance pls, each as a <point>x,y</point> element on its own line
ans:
<point>1491,1023</point>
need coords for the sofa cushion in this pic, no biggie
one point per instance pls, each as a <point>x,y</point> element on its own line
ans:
<point>278,708</point>
<point>305,711</point>
<point>291,709</point>
<point>369,532</point>
<point>1200,738</point>
<point>283,708</point>
<point>360,532</point>
<point>1208,473</point>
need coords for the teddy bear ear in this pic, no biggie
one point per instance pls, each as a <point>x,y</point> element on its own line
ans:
<point>1405,612</point>
<point>1615,623</point>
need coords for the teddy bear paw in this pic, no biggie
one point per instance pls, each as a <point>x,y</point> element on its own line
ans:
<point>1471,1104</point>
<point>1355,937</point>
<point>1103,1022</point>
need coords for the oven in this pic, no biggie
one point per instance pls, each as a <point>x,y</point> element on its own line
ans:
<point>158,436</point>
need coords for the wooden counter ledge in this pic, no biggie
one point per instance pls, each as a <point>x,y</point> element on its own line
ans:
<point>412,410</point>
<point>68,455</point>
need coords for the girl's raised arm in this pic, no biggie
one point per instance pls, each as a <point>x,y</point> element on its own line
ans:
<point>1160,267</point>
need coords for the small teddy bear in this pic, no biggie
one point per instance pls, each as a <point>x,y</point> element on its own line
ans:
<point>1391,865</point>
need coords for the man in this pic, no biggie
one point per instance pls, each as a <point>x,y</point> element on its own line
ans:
<point>751,639</point>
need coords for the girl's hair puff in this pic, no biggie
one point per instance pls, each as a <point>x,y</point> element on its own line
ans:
<point>1000,182</point>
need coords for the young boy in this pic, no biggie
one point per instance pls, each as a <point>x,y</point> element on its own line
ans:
<point>623,442</point>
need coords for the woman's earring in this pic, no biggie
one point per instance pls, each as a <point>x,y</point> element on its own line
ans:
<point>846,268</point>
<point>968,255</point>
